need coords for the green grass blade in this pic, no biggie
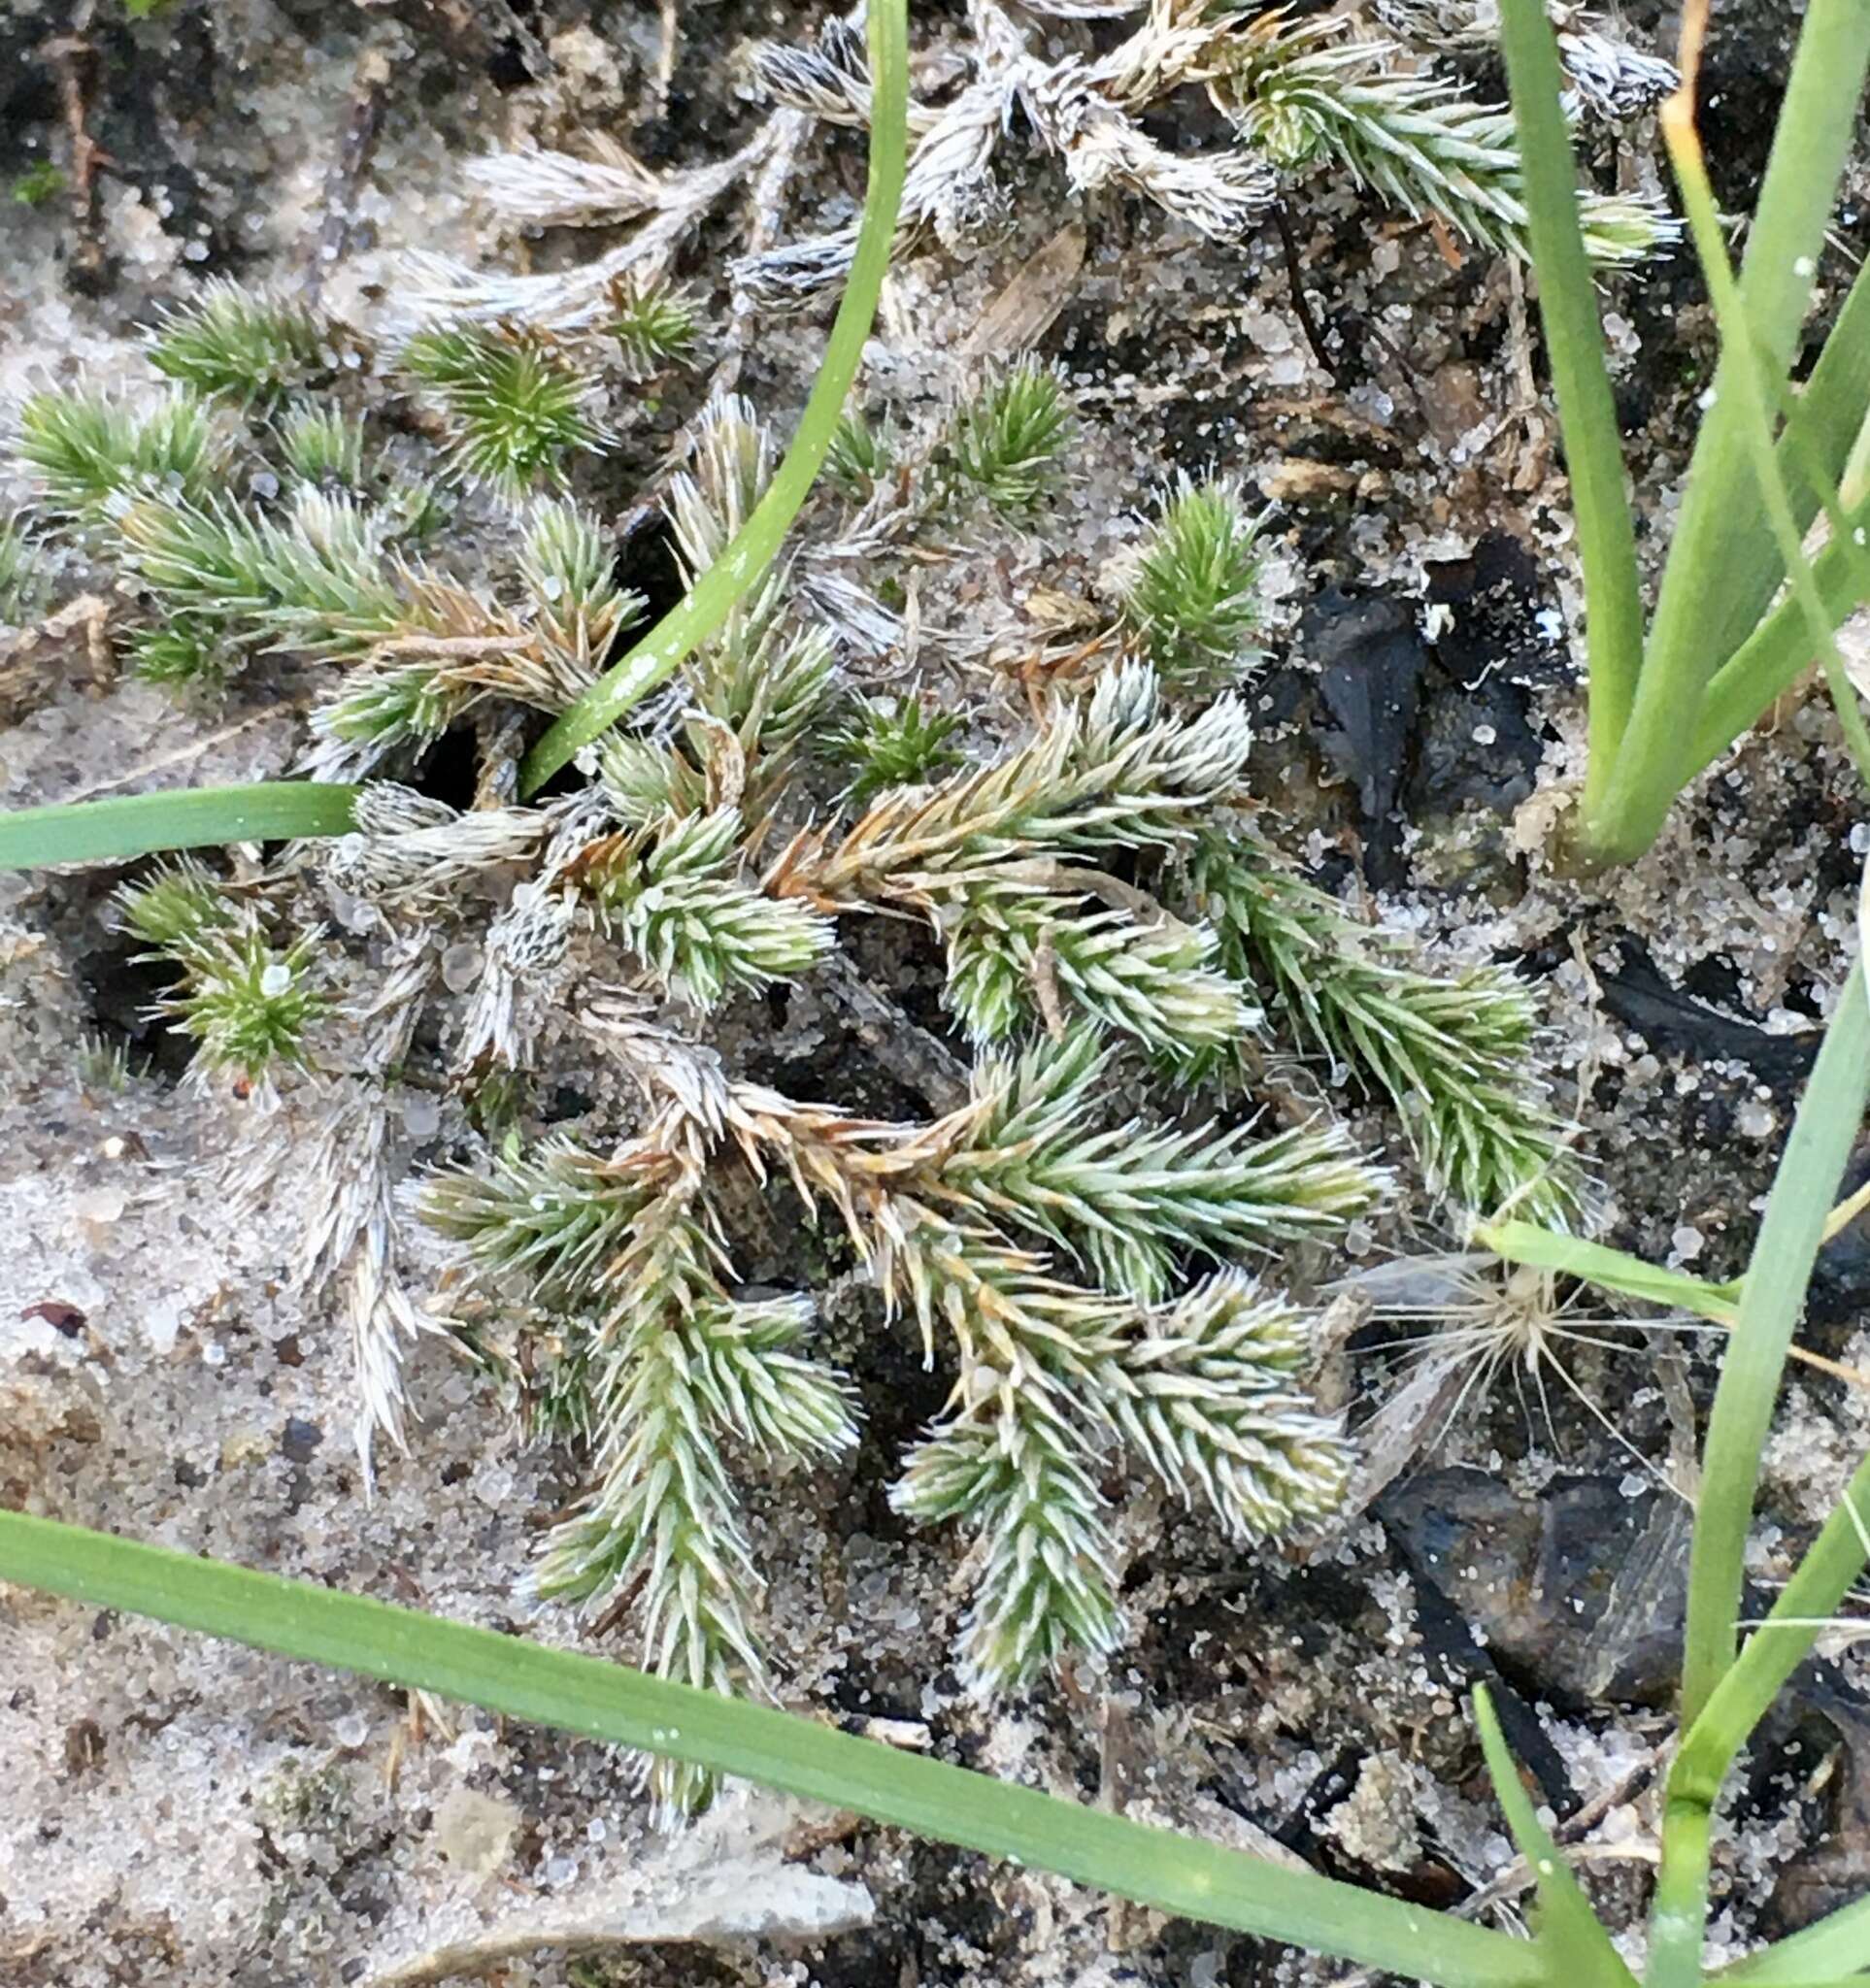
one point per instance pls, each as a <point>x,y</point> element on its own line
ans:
<point>1832,1562</point>
<point>1610,1270</point>
<point>1755,397</point>
<point>1840,1939</point>
<point>1831,406</point>
<point>1577,1948</point>
<point>1738,1702</point>
<point>712,598</point>
<point>130,825</point>
<point>1586,409</point>
<point>603,1700</point>
<point>1779,651</point>
<point>1697,624</point>
<point>1771,1300</point>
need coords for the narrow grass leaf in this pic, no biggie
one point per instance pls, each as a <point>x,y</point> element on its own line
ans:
<point>1696,626</point>
<point>1754,396</point>
<point>1771,1300</point>
<point>1610,1270</point>
<point>1579,1950</point>
<point>712,598</point>
<point>604,1701</point>
<point>1586,409</point>
<point>127,825</point>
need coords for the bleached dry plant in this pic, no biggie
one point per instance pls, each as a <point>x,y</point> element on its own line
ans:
<point>1297,92</point>
<point>1087,1245</point>
<point>1475,1324</point>
<point>1609,78</point>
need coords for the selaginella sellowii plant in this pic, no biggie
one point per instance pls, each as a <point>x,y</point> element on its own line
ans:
<point>1300,94</point>
<point>1083,1232</point>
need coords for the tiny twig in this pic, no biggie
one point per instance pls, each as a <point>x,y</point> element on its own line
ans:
<point>1295,283</point>
<point>913,1056</point>
<point>74,57</point>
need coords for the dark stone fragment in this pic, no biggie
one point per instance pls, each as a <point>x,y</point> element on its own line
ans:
<point>1578,1596</point>
<point>62,1317</point>
<point>1371,662</point>
<point>1640,998</point>
<point>299,1439</point>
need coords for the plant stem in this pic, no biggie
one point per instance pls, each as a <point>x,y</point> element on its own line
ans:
<point>1696,626</point>
<point>1778,1646</point>
<point>1771,1297</point>
<point>711,600</point>
<point>605,1701</point>
<point>1679,1912</point>
<point>1586,409</point>
<point>1735,1706</point>
<point>1581,1949</point>
<point>1753,418</point>
<point>130,825</point>
<point>1610,1270</point>
<point>1779,651</point>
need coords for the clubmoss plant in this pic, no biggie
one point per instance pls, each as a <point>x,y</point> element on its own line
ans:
<point>244,347</point>
<point>1087,1243</point>
<point>81,450</point>
<point>1008,437</point>
<point>246,1000</point>
<point>324,446</point>
<point>516,403</point>
<point>899,743</point>
<point>1452,1053</point>
<point>1192,600</point>
<point>1203,1389</point>
<point>656,323</point>
<point>860,456</point>
<point>1608,78</point>
<point>19,572</point>
<point>1298,93</point>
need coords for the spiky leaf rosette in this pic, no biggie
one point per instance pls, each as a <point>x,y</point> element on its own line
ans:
<point>316,581</point>
<point>18,572</point>
<point>1007,440</point>
<point>175,907</point>
<point>859,454</point>
<point>682,1368</point>
<point>1453,1054</point>
<point>1299,95</point>
<point>992,857</point>
<point>81,450</point>
<point>672,893</point>
<point>893,744</point>
<point>654,323</point>
<point>515,400</point>
<point>1133,1197</point>
<point>246,1001</point>
<point>1193,597</point>
<point>242,345</point>
<point>324,446</point>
